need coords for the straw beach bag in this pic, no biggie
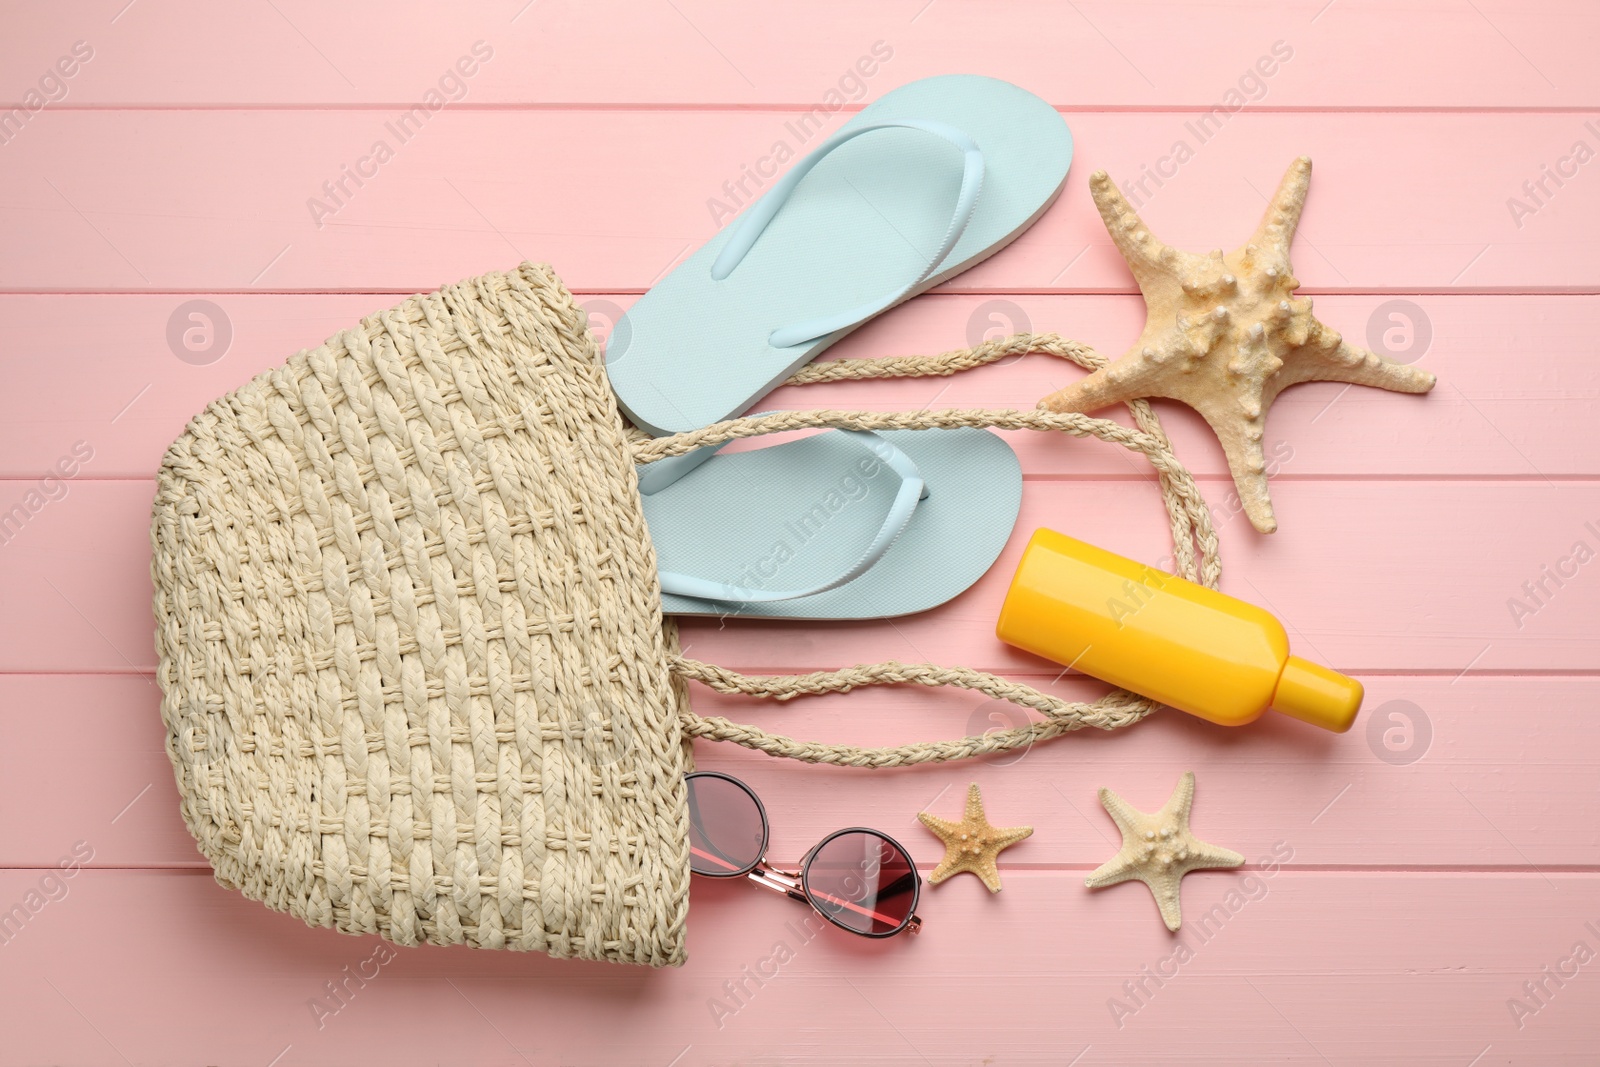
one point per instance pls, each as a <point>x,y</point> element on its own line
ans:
<point>416,677</point>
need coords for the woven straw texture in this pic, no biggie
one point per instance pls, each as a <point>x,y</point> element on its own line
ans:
<point>414,667</point>
<point>416,678</point>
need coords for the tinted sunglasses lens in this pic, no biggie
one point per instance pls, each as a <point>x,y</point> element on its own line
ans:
<point>727,832</point>
<point>862,881</point>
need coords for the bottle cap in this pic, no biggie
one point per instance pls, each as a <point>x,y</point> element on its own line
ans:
<point>1312,693</point>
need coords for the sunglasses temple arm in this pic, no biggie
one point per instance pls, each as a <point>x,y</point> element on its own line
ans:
<point>775,880</point>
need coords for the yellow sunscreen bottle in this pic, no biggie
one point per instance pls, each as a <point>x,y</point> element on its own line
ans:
<point>1164,637</point>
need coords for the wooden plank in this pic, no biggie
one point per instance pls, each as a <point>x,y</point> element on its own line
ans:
<point>1484,54</point>
<point>1429,545</point>
<point>1431,759</point>
<point>1518,379</point>
<point>1478,773</point>
<point>614,198</point>
<point>1302,967</point>
<point>1368,575</point>
<point>102,740</point>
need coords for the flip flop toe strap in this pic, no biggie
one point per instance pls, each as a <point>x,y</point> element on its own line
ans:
<point>745,231</point>
<point>909,492</point>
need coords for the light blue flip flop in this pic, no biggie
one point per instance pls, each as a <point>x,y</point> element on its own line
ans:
<point>842,525</point>
<point>927,181</point>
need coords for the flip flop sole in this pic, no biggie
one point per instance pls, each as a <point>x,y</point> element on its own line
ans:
<point>866,220</point>
<point>794,514</point>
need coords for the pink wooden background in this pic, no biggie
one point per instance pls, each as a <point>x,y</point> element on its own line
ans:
<point>1431,875</point>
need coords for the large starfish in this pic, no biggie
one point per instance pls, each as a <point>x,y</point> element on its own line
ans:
<point>1225,334</point>
<point>1159,849</point>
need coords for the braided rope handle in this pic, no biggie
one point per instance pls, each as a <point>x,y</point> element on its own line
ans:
<point>1190,521</point>
<point>1013,347</point>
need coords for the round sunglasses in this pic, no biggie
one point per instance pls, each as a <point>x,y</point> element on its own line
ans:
<point>860,880</point>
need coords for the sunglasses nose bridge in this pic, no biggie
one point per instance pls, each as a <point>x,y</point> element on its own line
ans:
<point>785,882</point>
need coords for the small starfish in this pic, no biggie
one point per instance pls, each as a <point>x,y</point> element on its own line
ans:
<point>972,844</point>
<point>1159,849</point>
<point>1225,335</point>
